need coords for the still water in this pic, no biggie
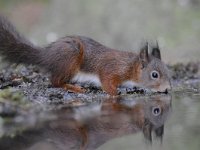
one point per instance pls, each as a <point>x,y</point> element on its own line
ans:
<point>128,122</point>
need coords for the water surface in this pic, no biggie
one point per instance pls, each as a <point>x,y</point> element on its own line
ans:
<point>126,122</point>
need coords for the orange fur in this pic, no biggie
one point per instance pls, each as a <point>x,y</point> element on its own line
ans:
<point>68,56</point>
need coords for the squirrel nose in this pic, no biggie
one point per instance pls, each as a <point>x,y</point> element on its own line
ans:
<point>165,88</point>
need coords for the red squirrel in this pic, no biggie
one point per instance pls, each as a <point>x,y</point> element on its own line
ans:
<point>74,59</point>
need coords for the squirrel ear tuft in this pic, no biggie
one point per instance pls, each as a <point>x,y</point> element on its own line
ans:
<point>156,52</point>
<point>144,55</point>
<point>147,130</point>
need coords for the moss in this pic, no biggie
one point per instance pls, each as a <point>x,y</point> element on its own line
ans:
<point>12,96</point>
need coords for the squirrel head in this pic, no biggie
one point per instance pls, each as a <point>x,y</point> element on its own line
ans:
<point>154,73</point>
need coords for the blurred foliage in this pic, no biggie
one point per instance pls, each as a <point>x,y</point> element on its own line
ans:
<point>117,24</point>
<point>4,4</point>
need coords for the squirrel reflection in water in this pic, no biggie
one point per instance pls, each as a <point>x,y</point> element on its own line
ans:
<point>89,127</point>
<point>122,116</point>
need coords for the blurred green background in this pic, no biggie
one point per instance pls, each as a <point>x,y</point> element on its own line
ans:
<point>120,24</point>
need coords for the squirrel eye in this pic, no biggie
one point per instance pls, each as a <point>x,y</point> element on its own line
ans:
<point>156,111</point>
<point>154,74</point>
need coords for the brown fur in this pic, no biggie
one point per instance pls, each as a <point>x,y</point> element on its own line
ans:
<point>112,66</point>
<point>67,56</point>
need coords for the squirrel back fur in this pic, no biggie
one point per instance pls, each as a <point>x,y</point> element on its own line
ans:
<point>77,58</point>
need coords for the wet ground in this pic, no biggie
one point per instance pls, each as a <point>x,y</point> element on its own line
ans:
<point>33,115</point>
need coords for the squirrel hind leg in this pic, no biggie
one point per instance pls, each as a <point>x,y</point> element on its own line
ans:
<point>74,88</point>
<point>60,83</point>
<point>76,45</point>
<point>80,47</point>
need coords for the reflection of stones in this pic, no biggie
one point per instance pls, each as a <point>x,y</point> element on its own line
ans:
<point>88,127</point>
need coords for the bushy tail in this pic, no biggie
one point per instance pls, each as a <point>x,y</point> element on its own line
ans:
<point>14,47</point>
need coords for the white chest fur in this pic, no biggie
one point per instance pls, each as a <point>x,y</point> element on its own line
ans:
<point>89,78</point>
<point>82,77</point>
<point>129,84</point>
